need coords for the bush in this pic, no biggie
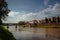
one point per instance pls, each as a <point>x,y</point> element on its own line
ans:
<point>5,34</point>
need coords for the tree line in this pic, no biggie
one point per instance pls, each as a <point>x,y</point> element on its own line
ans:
<point>53,20</point>
<point>4,34</point>
<point>3,10</point>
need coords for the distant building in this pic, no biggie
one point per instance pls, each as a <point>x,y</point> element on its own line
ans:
<point>43,21</point>
<point>53,19</point>
<point>39,21</point>
<point>47,20</point>
<point>35,21</point>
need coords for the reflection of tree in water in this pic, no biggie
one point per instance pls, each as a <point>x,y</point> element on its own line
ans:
<point>16,27</point>
<point>35,28</point>
<point>23,26</point>
<point>33,25</point>
<point>46,32</point>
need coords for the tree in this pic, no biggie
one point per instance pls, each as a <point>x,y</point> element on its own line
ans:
<point>5,34</point>
<point>54,19</point>
<point>49,20</point>
<point>46,20</point>
<point>3,10</point>
<point>21,23</point>
<point>58,19</point>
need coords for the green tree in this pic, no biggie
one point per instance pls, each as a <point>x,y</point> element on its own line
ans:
<point>49,20</point>
<point>46,20</point>
<point>58,19</point>
<point>5,34</point>
<point>3,10</point>
<point>21,23</point>
<point>54,20</point>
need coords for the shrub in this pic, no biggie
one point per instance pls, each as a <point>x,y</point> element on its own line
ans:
<point>5,34</point>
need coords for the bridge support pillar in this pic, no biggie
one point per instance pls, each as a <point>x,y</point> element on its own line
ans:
<point>7,26</point>
<point>16,27</point>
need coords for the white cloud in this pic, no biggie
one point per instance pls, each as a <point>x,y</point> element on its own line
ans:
<point>13,13</point>
<point>52,10</point>
<point>56,8</point>
<point>46,2</point>
<point>25,16</point>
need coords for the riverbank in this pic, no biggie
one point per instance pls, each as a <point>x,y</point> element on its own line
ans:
<point>37,33</point>
<point>44,25</point>
<point>5,34</point>
<point>50,25</point>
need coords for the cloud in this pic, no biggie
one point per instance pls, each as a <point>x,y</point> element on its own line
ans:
<point>23,16</point>
<point>15,17</point>
<point>46,2</point>
<point>56,8</point>
<point>13,13</point>
<point>52,10</point>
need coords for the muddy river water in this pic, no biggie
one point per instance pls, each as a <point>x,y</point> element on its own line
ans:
<point>29,33</point>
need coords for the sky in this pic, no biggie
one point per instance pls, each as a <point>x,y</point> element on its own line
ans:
<point>26,10</point>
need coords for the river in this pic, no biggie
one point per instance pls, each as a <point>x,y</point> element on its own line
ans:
<point>28,33</point>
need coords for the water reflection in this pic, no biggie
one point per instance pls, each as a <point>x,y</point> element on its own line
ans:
<point>29,33</point>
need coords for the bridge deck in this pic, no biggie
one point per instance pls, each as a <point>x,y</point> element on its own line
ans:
<point>9,24</point>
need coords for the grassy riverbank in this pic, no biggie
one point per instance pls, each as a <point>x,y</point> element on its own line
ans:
<point>52,25</point>
<point>5,34</point>
<point>49,25</point>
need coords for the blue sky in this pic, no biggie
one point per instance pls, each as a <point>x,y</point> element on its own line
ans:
<point>29,5</point>
<point>25,10</point>
<point>25,5</point>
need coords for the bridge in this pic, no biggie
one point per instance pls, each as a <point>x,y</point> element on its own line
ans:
<point>10,24</point>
